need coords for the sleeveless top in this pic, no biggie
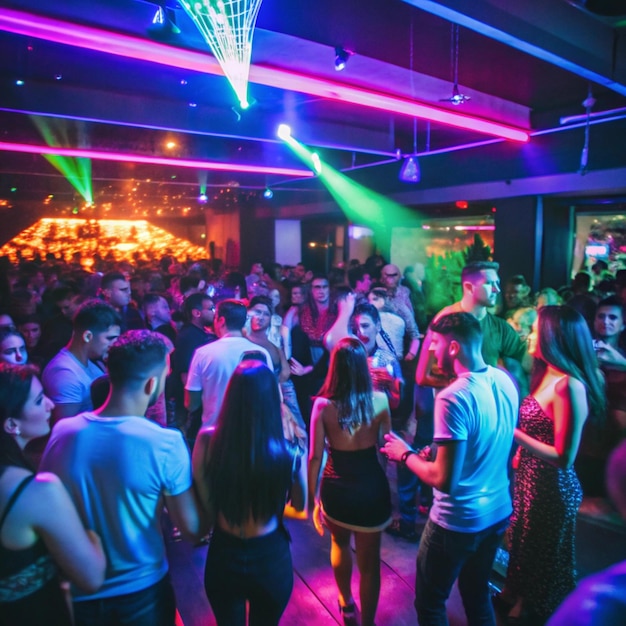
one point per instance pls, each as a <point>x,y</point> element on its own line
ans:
<point>23,572</point>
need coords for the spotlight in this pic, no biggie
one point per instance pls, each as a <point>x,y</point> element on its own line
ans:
<point>19,82</point>
<point>284,132</point>
<point>317,164</point>
<point>163,26</point>
<point>203,198</point>
<point>341,58</point>
<point>410,170</point>
<point>268,194</point>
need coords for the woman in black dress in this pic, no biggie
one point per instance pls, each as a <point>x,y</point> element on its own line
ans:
<point>354,495</point>
<point>566,387</point>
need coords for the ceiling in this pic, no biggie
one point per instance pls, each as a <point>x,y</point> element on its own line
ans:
<point>524,65</point>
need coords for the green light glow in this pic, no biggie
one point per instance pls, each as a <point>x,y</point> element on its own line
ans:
<point>360,204</point>
<point>76,170</point>
<point>228,26</point>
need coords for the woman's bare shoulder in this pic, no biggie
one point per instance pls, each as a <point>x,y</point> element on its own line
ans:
<point>569,385</point>
<point>379,398</point>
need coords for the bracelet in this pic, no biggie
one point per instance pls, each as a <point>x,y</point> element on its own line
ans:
<point>405,456</point>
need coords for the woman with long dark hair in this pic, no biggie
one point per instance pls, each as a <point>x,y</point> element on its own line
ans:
<point>566,387</point>
<point>39,526</point>
<point>354,494</point>
<point>243,477</point>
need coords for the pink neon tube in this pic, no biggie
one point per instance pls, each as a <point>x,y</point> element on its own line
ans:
<point>141,158</point>
<point>50,29</point>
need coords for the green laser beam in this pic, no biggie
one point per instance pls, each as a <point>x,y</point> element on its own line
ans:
<point>360,204</point>
<point>76,170</point>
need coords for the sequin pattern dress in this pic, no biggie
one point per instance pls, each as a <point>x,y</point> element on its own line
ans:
<point>542,567</point>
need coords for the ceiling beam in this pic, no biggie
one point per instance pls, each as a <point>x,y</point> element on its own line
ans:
<point>555,32</point>
<point>91,105</point>
<point>67,33</point>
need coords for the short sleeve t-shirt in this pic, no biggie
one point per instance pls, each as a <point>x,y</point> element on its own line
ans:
<point>211,368</point>
<point>67,381</point>
<point>479,408</point>
<point>117,470</point>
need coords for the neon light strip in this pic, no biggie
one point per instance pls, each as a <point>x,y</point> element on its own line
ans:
<point>141,158</point>
<point>91,38</point>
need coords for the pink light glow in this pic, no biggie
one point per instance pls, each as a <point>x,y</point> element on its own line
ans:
<point>50,29</point>
<point>141,158</point>
<point>478,227</point>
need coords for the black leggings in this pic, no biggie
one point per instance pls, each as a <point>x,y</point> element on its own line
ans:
<point>257,570</point>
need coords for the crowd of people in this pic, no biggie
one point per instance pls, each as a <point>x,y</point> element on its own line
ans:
<point>228,397</point>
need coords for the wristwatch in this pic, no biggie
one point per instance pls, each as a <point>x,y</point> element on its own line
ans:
<point>405,456</point>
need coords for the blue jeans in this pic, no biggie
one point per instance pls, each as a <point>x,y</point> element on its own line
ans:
<point>408,482</point>
<point>445,555</point>
<point>153,606</point>
<point>257,571</point>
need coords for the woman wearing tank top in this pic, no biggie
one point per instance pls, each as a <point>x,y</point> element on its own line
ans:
<point>41,535</point>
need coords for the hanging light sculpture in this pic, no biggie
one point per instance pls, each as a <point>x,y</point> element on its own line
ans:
<point>228,26</point>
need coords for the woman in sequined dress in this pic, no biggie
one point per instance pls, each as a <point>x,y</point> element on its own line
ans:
<point>566,388</point>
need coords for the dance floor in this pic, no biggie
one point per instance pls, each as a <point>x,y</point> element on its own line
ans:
<point>601,541</point>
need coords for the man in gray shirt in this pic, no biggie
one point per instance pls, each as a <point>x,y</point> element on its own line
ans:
<point>67,378</point>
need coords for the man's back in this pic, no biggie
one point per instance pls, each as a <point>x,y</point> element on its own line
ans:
<point>117,469</point>
<point>479,408</point>
<point>211,368</point>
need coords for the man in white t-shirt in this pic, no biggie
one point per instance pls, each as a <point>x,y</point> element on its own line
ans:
<point>474,418</point>
<point>120,468</point>
<point>213,365</point>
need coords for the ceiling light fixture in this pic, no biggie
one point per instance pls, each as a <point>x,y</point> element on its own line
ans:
<point>410,171</point>
<point>163,27</point>
<point>457,97</point>
<point>32,25</point>
<point>141,158</point>
<point>341,58</point>
<point>268,194</point>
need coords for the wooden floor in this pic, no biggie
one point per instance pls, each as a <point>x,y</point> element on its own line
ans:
<point>601,541</point>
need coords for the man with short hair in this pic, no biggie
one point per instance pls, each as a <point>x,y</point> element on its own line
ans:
<point>67,378</point>
<point>158,315</point>
<point>475,418</point>
<point>256,281</point>
<point>390,277</point>
<point>361,281</point>
<point>516,295</point>
<point>198,312</point>
<point>115,290</point>
<point>481,286</point>
<point>57,330</point>
<point>120,468</point>
<point>213,365</point>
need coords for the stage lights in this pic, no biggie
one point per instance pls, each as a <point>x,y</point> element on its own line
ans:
<point>341,58</point>
<point>284,132</point>
<point>268,194</point>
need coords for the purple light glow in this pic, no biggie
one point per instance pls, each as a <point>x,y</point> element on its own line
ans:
<point>40,27</point>
<point>140,158</point>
